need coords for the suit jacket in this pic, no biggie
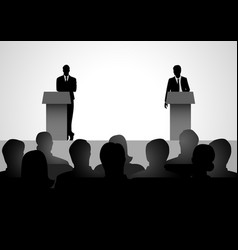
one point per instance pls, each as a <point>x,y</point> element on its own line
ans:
<point>69,86</point>
<point>173,85</point>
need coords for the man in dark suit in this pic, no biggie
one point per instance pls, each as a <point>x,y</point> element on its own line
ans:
<point>67,83</point>
<point>177,83</point>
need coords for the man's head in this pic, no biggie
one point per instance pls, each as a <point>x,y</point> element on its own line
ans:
<point>188,140</point>
<point>157,152</point>
<point>44,142</point>
<point>177,70</point>
<point>222,150</point>
<point>203,157</point>
<point>112,156</point>
<point>80,152</point>
<point>13,151</point>
<point>66,70</point>
<point>35,169</point>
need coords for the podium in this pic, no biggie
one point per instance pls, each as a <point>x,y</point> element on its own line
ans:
<point>56,113</point>
<point>180,112</point>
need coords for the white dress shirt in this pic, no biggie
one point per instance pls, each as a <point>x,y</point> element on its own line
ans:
<point>180,89</point>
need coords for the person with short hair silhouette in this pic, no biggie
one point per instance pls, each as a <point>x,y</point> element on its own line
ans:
<point>80,152</point>
<point>157,152</point>
<point>34,171</point>
<point>10,178</point>
<point>177,83</point>
<point>113,158</point>
<point>13,151</point>
<point>130,168</point>
<point>67,83</point>
<point>222,150</point>
<point>56,165</point>
<point>182,164</point>
<point>188,140</point>
<point>202,159</point>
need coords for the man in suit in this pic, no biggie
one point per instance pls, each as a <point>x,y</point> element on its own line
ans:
<point>177,83</point>
<point>67,83</point>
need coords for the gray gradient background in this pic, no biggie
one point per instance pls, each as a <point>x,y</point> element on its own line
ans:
<point>121,87</point>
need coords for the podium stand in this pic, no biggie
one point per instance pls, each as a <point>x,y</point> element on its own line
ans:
<point>180,112</point>
<point>56,113</point>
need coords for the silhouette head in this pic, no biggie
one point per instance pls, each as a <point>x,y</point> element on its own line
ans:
<point>112,156</point>
<point>66,70</point>
<point>177,70</point>
<point>35,169</point>
<point>44,142</point>
<point>121,140</point>
<point>222,150</point>
<point>157,152</point>
<point>13,151</point>
<point>80,152</point>
<point>188,140</point>
<point>203,157</point>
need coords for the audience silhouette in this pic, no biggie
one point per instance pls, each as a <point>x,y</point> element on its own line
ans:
<point>203,157</point>
<point>35,171</point>
<point>157,152</point>
<point>222,150</point>
<point>13,151</point>
<point>182,164</point>
<point>113,158</point>
<point>39,169</point>
<point>188,140</point>
<point>80,152</point>
<point>56,165</point>
<point>130,168</point>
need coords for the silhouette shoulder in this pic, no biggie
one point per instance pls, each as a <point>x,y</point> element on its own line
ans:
<point>57,160</point>
<point>73,78</point>
<point>59,78</point>
<point>137,167</point>
<point>66,175</point>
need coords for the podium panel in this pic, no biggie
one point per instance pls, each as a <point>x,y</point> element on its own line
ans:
<point>180,112</point>
<point>180,119</point>
<point>56,113</point>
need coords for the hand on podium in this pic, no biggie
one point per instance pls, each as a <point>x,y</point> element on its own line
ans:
<point>165,105</point>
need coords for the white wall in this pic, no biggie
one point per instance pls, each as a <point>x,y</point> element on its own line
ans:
<point>121,86</point>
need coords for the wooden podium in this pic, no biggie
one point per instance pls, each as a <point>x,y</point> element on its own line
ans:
<point>180,112</point>
<point>56,113</point>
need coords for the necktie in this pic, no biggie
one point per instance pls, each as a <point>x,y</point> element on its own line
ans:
<point>178,85</point>
<point>66,78</point>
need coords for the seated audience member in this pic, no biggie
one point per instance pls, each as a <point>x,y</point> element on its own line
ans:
<point>188,140</point>
<point>56,165</point>
<point>80,152</point>
<point>157,152</point>
<point>222,150</point>
<point>113,158</point>
<point>202,159</point>
<point>130,168</point>
<point>34,171</point>
<point>13,151</point>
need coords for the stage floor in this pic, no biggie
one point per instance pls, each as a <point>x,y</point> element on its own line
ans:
<point>136,149</point>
